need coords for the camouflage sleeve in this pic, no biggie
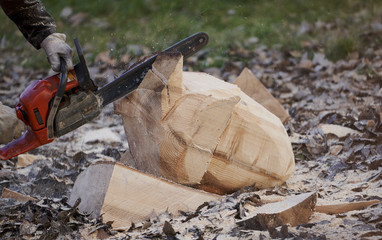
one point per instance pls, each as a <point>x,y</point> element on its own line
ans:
<point>31,18</point>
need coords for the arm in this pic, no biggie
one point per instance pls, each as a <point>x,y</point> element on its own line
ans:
<point>39,28</point>
<point>31,18</point>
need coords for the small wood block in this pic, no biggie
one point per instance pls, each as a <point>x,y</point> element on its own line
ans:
<point>124,195</point>
<point>251,86</point>
<point>294,210</point>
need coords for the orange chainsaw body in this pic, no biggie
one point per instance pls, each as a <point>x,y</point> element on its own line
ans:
<point>33,109</point>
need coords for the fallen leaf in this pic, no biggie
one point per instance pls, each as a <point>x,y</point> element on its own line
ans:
<point>27,159</point>
<point>305,64</point>
<point>338,130</point>
<point>105,58</point>
<point>168,229</point>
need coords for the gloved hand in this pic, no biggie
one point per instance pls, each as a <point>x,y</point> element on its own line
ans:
<point>56,47</point>
<point>10,126</point>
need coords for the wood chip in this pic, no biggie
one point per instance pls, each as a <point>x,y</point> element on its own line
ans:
<point>294,210</point>
<point>26,159</point>
<point>345,207</point>
<point>7,193</point>
<point>338,130</point>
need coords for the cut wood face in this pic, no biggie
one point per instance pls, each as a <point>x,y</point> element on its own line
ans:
<point>253,148</point>
<point>142,125</point>
<point>169,68</point>
<point>91,187</point>
<point>193,134</point>
<point>210,134</point>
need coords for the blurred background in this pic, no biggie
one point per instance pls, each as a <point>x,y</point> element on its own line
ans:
<point>126,29</point>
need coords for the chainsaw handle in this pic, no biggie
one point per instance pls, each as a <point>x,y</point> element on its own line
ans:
<point>63,78</point>
<point>57,98</point>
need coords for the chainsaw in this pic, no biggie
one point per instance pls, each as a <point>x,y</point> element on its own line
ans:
<point>63,102</point>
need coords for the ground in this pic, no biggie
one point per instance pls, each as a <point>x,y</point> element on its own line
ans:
<point>335,129</point>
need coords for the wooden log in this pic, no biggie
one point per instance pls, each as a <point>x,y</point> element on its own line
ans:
<point>197,130</point>
<point>294,210</point>
<point>124,195</point>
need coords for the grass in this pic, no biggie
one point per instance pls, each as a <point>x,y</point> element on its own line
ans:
<point>341,47</point>
<point>158,24</point>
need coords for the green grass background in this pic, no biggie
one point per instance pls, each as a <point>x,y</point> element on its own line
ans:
<point>230,23</point>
